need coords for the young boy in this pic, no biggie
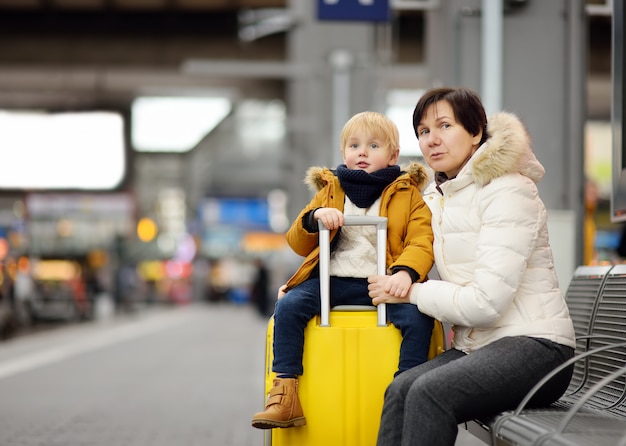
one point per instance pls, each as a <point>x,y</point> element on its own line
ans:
<point>368,183</point>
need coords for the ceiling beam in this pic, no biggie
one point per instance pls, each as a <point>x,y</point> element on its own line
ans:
<point>136,5</point>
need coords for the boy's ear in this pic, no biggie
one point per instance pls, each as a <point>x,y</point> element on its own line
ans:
<point>393,159</point>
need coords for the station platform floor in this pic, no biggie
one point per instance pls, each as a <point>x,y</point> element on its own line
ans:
<point>184,376</point>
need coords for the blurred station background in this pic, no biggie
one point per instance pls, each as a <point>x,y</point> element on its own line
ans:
<point>152,157</point>
<point>153,151</point>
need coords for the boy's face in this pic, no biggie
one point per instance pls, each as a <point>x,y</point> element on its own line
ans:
<point>364,151</point>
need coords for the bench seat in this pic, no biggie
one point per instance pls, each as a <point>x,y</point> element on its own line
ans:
<point>530,428</point>
<point>593,409</point>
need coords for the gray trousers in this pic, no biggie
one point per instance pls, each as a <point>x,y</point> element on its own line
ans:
<point>424,405</point>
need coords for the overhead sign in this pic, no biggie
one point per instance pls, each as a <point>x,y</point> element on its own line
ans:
<point>240,212</point>
<point>354,10</point>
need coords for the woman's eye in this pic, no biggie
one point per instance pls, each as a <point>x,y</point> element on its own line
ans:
<point>423,132</point>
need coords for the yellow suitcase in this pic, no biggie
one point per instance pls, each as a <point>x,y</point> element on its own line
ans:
<point>350,356</point>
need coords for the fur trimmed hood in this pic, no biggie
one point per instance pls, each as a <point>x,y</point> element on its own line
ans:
<point>317,177</point>
<point>507,150</point>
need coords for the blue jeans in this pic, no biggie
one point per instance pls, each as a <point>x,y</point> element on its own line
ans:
<point>424,405</point>
<point>302,303</point>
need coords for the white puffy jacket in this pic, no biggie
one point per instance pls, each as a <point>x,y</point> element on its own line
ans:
<point>491,247</point>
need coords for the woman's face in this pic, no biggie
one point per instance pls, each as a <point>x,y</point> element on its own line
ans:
<point>444,142</point>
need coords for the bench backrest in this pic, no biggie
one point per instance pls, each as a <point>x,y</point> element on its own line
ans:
<point>609,327</point>
<point>582,297</point>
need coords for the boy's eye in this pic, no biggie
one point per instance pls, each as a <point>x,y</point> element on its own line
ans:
<point>374,146</point>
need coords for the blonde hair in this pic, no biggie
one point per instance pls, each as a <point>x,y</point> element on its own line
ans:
<point>377,124</point>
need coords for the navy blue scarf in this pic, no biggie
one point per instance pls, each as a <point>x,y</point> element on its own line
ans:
<point>363,188</point>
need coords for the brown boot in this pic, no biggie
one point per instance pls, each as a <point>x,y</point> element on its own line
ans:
<point>283,407</point>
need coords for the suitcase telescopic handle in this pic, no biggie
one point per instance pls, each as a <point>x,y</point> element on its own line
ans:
<point>324,263</point>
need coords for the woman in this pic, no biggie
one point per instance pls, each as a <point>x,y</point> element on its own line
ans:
<point>498,284</point>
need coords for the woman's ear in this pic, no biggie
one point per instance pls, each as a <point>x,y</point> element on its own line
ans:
<point>477,138</point>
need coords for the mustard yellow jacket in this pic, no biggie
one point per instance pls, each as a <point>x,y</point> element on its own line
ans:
<point>409,234</point>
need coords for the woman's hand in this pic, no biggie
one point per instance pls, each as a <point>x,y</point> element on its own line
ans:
<point>377,290</point>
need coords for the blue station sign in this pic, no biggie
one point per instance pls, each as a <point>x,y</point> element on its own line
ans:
<point>354,10</point>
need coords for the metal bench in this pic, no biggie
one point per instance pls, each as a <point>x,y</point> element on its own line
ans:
<point>593,409</point>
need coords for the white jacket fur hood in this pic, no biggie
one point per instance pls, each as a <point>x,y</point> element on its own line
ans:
<point>508,150</point>
<point>491,246</point>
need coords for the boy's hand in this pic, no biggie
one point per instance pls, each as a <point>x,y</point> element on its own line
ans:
<point>281,291</point>
<point>331,217</point>
<point>376,290</point>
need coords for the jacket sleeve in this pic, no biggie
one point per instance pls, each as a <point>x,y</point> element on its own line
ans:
<point>417,245</point>
<point>300,239</point>
<point>511,218</point>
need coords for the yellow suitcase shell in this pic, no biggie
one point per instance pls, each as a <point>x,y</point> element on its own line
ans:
<point>347,368</point>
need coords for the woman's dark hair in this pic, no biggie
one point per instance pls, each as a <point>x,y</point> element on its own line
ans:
<point>466,105</point>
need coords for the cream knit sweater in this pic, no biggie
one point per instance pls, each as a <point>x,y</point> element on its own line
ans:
<point>355,252</point>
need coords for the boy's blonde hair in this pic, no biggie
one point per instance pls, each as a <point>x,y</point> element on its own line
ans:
<point>377,124</point>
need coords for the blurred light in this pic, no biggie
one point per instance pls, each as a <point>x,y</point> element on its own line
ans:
<point>175,124</point>
<point>4,248</point>
<point>177,270</point>
<point>97,258</point>
<point>146,229</point>
<point>23,264</point>
<point>151,270</point>
<point>263,241</point>
<point>56,270</point>
<point>400,106</point>
<point>186,249</point>
<point>62,150</point>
